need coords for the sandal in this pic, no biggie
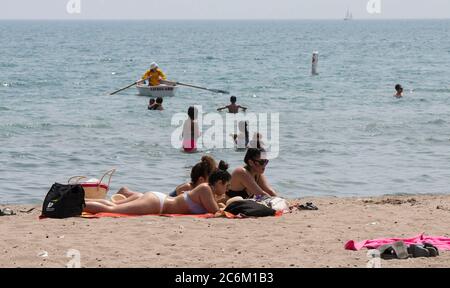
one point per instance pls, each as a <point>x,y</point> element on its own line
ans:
<point>308,206</point>
<point>434,251</point>
<point>396,250</point>
<point>417,250</point>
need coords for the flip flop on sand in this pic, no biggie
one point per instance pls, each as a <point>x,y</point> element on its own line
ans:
<point>417,250</point>
<point>308,206</point>
<point>434,251</point>
<point>396,250</point>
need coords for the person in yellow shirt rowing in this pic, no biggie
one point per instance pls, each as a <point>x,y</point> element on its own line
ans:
<point>154,75</point>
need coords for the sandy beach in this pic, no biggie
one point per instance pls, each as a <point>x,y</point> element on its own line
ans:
<point>297,239</point>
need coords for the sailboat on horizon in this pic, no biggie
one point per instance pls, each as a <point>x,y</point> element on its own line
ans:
<point>348,15</point>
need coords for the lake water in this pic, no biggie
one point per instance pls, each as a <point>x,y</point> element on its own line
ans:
<point>341,132</point>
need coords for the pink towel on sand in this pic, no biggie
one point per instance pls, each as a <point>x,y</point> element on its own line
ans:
<point>442,243</point>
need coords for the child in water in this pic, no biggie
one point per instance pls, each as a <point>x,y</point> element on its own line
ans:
<point>399,91</point>
<point>155,105</point>
<point>151,104</point>
<point>233,107</point>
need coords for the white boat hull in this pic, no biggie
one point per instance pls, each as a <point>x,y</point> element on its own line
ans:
<point>156,91</point>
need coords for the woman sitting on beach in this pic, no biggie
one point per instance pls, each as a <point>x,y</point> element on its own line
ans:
<point>249,181</point>
<point>200,200</point>
<point>200,174</point>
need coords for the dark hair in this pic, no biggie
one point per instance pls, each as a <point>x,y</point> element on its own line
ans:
<point>159,100</point>
<point>219,175</point>
<point>223,165</point>
<point>152,100</point>
<point>398,87</point>
<point>191,112</point>
<point>252,153</point>
<point>203,169</point>
<point>233,99</point>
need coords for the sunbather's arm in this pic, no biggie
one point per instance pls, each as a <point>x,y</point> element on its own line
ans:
<point>264,184</point>
<point>209,202</point>
<point>183,188</point>
<point>250,184</point>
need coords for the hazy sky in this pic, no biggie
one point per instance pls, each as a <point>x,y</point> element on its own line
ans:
<point>222,9</point>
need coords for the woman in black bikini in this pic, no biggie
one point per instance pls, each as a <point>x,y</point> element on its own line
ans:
<point>249,181</point>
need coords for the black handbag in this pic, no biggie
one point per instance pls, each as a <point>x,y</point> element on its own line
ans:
<point>63,201</point>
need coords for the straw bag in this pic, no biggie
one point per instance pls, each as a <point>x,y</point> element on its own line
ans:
<point>93,188</point>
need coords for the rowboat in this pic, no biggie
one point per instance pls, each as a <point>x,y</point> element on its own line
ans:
<point>156,91</point>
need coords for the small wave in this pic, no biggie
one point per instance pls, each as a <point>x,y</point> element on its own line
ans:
<point>437,122</point>
<point>6,84</point>
<point>4,108</point>
<point>372,127</point>
<point>48,125</point>
<point>23,155</point>
<point>106,59</point>
<point>435,140</point>
<point>8,65</point>
<point>434,90</point>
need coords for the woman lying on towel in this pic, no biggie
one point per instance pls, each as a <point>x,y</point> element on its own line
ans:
<point>200,174</point>
<point>200,200</point>
<point>249,181</point>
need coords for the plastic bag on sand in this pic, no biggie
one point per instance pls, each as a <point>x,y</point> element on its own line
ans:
<point>276,203</point>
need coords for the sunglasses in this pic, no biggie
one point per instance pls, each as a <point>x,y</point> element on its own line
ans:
<point>261,162</point>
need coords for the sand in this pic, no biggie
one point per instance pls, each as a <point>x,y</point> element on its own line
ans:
<point>298,239</point>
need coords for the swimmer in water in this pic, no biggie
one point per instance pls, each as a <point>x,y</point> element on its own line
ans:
<point>399,91</point>
<point>151,104</point>
<point>233,107</point>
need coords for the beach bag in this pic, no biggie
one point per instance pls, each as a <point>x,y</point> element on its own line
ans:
<point>93,187</point>
<point>249,208</point>
<point>63,201</point>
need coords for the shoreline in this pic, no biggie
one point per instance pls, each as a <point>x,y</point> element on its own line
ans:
<point>298,239</point>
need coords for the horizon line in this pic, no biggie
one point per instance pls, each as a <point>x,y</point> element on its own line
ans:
<point>212,19</point>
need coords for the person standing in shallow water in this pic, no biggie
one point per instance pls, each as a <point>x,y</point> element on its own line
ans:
<point>191,131</point>
<point>398,91</point>
<point>233,107</point>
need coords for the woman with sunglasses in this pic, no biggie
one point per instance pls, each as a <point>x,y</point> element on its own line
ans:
<point>249,181</point>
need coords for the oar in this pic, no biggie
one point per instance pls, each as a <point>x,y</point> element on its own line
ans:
<point>193,86</point>
<point>128,86</point>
